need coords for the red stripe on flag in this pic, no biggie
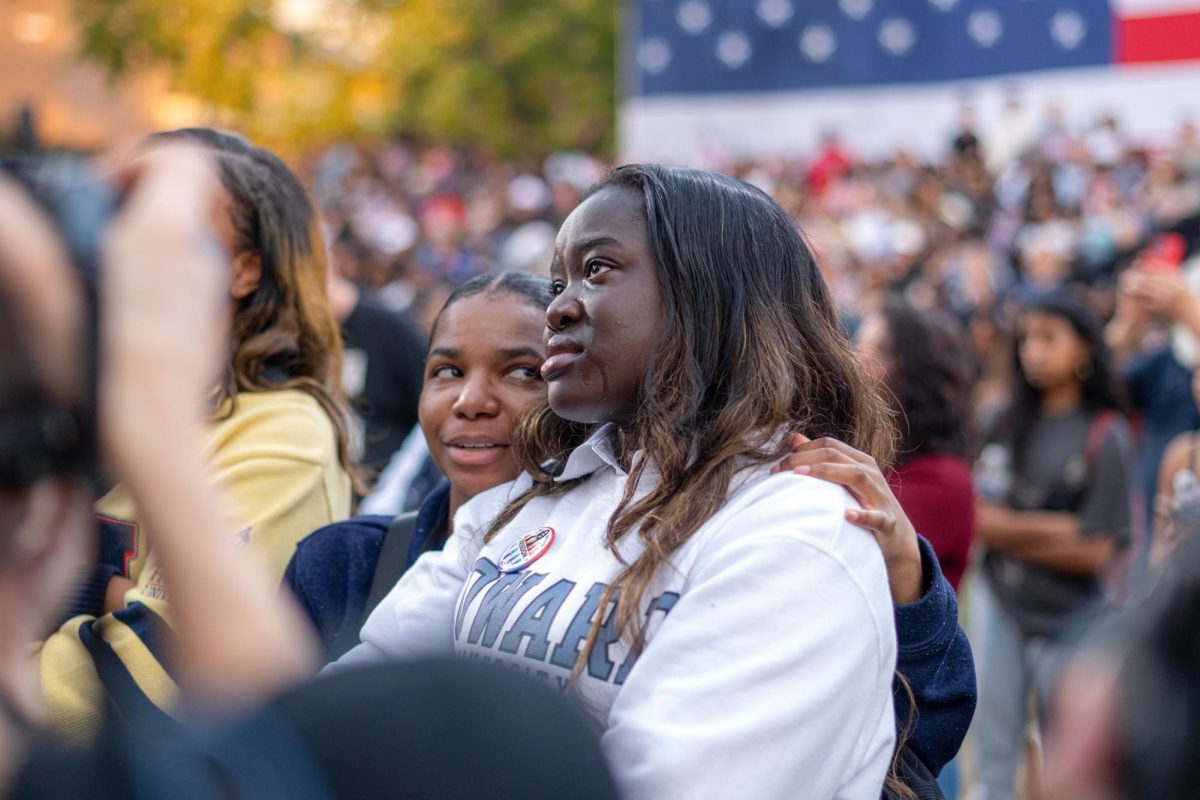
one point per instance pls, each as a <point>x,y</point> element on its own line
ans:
<point>1146,40</point>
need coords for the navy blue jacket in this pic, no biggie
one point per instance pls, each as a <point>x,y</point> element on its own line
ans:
<point>934,656</point>
<point>332,569</point>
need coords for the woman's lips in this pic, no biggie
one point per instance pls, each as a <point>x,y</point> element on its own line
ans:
<point>554,366</point>
<point>561,353</point>
<point>475,454</point>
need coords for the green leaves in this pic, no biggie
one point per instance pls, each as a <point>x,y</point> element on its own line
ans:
<point>515,77</point>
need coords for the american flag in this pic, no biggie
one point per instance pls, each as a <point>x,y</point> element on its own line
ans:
<point>801,50</point>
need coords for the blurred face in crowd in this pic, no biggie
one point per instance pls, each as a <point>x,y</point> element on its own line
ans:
<point>607,319</point>
<point>1046,267</point>
<point>1042,206</point>
<point>480,374</point>
<point>1051,353</point>
<point>871,344</point>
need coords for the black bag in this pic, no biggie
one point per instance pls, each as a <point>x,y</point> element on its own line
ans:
<point>392,564</point>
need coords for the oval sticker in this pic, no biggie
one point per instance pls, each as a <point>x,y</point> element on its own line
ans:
<point>526,550</point>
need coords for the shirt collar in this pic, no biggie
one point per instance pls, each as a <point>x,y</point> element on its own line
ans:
<point>593,454</point>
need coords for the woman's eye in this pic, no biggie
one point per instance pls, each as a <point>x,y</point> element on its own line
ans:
<point>557,288</point>
<point>594,268</point>
<point>445,371</point>
<point>526,373</point>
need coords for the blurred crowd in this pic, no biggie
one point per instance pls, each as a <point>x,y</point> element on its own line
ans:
<point>411,222</point>
<point>1006,215</point>
<point>1013,212</point>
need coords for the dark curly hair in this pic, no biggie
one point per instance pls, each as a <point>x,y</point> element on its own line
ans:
<point>929,374</point>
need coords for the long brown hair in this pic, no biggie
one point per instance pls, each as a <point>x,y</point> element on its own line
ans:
<point>284,332</point>
<point>751,347</point>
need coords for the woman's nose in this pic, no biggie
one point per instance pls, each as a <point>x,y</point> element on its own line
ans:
<point>476,399</point>
<point>564,311</point>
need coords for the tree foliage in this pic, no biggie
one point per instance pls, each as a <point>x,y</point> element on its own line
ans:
<point>517,77</point>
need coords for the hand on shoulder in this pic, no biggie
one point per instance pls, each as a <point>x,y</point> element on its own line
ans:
<point>837,462</point>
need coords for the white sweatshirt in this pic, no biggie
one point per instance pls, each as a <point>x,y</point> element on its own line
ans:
<point>768,665</point>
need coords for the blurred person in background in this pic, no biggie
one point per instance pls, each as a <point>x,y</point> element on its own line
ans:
<point>1105,141</point>
<point>410,474</point>
<point>964,166</point>
<point>918,358</point>
<point>1168,194</point>
<point>442,252</point>
<point>278,442</point>
<point>964,144</point>
<point>1046,245</point>
<point>1187,146</point>
<point>1155,337</point>
<point>381,368</point>
<point>990,343</point>
<point>971,279</point>
<point>1112,228</point>
<point>1177,499</point>
<point>1054,512</point>
<point>1014,133</point>
<point>832,161</point>
<point>1125,708</point>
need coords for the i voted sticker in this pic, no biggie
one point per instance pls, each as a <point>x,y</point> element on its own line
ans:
<point>526,550</point>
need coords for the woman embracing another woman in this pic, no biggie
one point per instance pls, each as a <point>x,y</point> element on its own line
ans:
<point>728,629</point>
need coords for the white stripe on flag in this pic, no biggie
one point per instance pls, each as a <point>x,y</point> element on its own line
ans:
<point>714,130</point>
<point>1153,8</point>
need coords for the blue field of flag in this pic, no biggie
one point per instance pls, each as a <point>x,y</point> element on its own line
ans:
<point>708,46</point>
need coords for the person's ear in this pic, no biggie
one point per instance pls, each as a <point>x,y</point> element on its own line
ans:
<point>247,272</point>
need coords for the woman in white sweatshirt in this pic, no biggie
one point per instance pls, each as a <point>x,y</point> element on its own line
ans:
<point>728,629</point>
